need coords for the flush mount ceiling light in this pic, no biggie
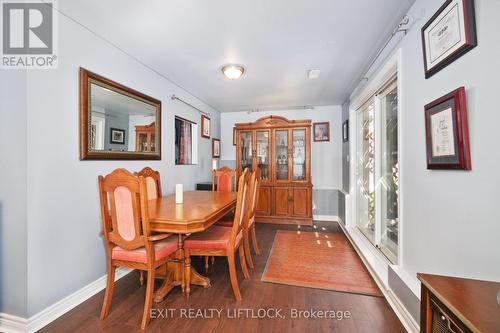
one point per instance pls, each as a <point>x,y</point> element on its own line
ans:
<point>313,73</point>
<point>233,72</point>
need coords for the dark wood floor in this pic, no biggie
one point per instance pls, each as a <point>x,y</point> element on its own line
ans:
<point>367,313</point>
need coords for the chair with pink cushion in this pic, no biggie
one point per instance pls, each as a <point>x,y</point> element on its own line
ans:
<point>153,182</point>
<point>225,179</point>
<point>128,240</point>
<point>153,189</point>
<point>223,241</point>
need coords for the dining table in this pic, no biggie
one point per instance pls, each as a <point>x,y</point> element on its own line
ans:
<point>198,211</point>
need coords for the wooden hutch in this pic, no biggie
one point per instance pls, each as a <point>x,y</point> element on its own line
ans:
<point>145,138</point>
<point>281,148</point>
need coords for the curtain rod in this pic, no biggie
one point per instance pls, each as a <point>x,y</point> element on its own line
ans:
<point>399,28</point>
<point>189,104</point>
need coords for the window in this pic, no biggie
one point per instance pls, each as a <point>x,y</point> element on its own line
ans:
<point>186,145</point>
<point>377,169</point>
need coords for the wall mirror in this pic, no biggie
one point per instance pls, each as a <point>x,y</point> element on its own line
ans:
<point>116,122</point>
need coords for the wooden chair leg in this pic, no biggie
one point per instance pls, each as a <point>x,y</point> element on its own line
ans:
<point>213,261</point>
<point>233,277</point>
<point>246,244</point>
<point>243,263</point>
<point>108,294</point>
<point>254,240</point>
<point>187,272</point>
<point>206,264</point>
<point>149,298</point>
<point>141,277</point>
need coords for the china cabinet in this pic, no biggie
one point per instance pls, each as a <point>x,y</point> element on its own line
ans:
<point>281,149</point>
<point>145,138</point>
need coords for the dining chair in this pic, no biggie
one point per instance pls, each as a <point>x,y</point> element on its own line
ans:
<point>153,182</point>
<point>250,230</point>
<point>128,240</point>
<point>153,188</point>
<point>222,241</point>
<point>223,180</point>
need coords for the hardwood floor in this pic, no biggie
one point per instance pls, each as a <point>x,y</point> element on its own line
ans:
<point>367,313</point>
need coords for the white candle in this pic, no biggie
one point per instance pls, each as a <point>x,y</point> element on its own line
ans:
<point>214,164</point>
<point>178,193</point>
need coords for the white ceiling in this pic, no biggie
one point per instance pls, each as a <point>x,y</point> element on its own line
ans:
<point>277,41</point>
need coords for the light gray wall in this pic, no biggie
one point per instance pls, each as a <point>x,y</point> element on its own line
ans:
<point>325,202</point>
<point>450,218</point>
<point>410,301</point>
<point>13,221</point>
<point>62,195</point>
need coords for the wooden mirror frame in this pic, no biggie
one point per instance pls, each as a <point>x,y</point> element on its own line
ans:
<point>88,77</point>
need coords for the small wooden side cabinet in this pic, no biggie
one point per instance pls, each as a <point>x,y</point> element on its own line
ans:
<point>281,149</point>
<point>457,305</point>
<point>145,140</point>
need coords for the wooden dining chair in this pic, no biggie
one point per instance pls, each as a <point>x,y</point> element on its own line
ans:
<point>250,231</point>
<point>224,178</point>
<point>222,241</point>
<point>129,243</point>
<point>153,188</point>
<point>153,182</point>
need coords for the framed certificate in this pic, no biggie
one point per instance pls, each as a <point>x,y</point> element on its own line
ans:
<point>449,34</point>
<point>447,134</point>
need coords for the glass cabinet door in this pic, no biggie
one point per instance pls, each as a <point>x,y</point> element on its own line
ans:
<point>299,154</point>
<point>143,142</point>
<point>153,142</point>
<point>281,154</point>
<point>262,145</point>
<point>246,150</point>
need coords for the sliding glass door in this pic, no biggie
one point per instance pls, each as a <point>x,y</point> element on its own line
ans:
<point>365,158</point>
<point>377,170</point>
<point>389,171</point>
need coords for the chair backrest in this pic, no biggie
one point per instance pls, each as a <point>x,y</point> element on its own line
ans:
<point>225,178</point>
<point>254,193</point>
<point>242,203</point>
<point>153,182</point>
<point>121,200</point>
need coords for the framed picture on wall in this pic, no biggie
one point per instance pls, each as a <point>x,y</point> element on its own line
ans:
<point>117,136</point>
<point>447,133</point>
<point>215,148</point>
<point>205,126</point>
<point>321,132</point>
<point>345,131</point>
<point>234,136</point>
<point>449,34</point>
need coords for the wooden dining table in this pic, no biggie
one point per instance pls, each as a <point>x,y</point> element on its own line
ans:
<point>199,211</point>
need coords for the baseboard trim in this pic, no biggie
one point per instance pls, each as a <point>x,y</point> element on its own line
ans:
<point>326,218</point>
<point>13,324</point>
<point>401,312</point>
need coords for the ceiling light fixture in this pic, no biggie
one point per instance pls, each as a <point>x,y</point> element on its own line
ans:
<point>233,72</point>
